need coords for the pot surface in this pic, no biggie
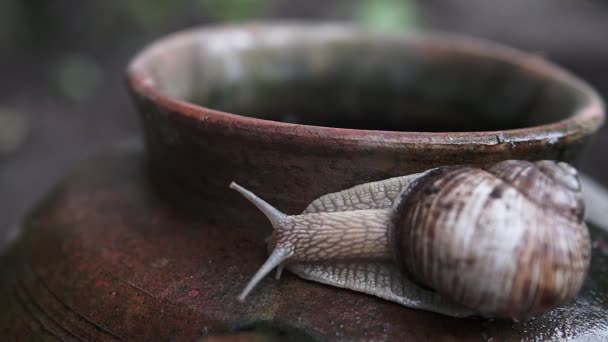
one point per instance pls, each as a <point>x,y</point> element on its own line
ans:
<point>317,108</point>
<point>104,258</point>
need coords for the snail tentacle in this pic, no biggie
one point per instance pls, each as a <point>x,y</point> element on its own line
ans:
<point>366,238</point>
<point>283,250</point>
<point>279,271</point>
<point>276,258</point>
<point>276,218</point>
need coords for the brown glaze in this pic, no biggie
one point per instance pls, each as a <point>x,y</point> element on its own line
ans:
<point>103,258</point>
<point>195,150</point>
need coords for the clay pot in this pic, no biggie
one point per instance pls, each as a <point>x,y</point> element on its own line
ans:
<point>150,244</point>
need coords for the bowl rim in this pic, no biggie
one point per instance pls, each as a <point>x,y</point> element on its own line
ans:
<point>584,121</point>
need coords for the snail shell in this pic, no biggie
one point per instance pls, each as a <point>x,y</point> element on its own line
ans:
<point>509,241</point>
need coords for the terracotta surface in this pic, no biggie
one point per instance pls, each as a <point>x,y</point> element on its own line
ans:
<point>195,151</point>
<point>153,244</point>
<point>103,258</point>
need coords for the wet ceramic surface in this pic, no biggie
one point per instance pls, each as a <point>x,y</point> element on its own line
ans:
<point>103,258</point>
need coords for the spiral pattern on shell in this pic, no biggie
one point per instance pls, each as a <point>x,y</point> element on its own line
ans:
<point>508,241</point>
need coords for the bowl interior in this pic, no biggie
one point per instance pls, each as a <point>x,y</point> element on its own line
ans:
<point>352,79</point>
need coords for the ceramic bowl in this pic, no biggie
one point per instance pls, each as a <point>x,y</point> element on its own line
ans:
<point>295,110</point>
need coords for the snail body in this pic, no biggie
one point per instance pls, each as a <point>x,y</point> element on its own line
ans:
<point>507,241</point>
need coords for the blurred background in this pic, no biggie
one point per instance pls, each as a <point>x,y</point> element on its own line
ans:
<point>62,62</point>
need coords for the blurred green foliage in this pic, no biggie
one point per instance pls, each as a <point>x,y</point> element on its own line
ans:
<point>233,10</point>
<point>20,18</point>
<point>13,130</point>
<point>11,21</point>
<point>377,14</point>
<point>386,15</point>
<point>150,14</point>
<point>76,77</point>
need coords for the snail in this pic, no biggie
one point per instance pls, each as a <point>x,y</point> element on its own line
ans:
<point>505,241</point>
